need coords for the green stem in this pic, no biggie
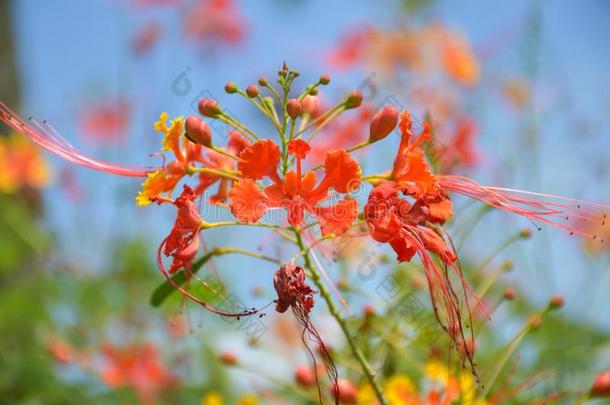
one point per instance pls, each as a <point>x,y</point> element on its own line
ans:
<point>325,294</point>
<point>227,119</point>
<point>207,170</point>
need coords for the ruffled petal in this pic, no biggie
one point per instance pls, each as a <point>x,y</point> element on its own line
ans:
<point>247,202</point>
<point>172,134</point>
<point>435,243</point>
<point>259,160</point>
<point>415,178</point>
<point>342,174</point>
<point>405,250</point>
<point>156,183</point>
<point>440,212</point>
<point>337,219</point>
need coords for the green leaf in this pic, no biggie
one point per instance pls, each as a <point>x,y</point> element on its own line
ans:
<point>166,289</point>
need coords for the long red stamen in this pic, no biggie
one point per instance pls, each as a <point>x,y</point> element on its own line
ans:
<point>536,208</point>
<point>47,137</point>
<point>190,296</point>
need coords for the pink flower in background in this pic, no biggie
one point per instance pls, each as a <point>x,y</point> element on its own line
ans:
<point>216,21</point>
<point>105,122</point>
<point>146,37</point>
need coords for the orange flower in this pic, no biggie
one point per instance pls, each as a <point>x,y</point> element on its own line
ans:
<point>188,156</point>
<point>137,367</point>
<point>458,60</point>
<point>21,164</point>
<point>296,192</point>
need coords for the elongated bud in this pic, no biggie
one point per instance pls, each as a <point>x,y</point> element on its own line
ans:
<point>198,131</point>
<point>384,121</point>
<point>293,107</point>
<point>228,358</point>
<point>310,106</point>
<point>209,108</point>
<point>346,391</point>
<point>353,100</point>
<point>601,385</point>
<point>324,79</point>
<point>557,302</point>
<point>252,90</point>
<point>231,87</point>
<point>305,376</point>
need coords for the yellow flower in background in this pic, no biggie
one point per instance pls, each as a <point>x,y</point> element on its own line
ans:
<point>212,398</point>
<point>400,390</point>
<point>21,164</point>
<point>366,395</point>
<point>248,400</point>
<point>437,371</point>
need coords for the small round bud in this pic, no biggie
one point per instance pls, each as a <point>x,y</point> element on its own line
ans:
<point>383,123</point>
<point>369,310</point>
<point>324,79</point>
<point>311,106</point>
<point>601,385</point>
<point>525,233</point>
<point>535,322</point>
<point>508,265</point>
<point>305,376</point>
<point>312,91</point>
<point>345,391</point>
<point>353,100</point>
<point>252,90</point>
<point>231,87</point>
<point>228,358</point>
<point>198,131</point>
<point>510,294</point>
<point>262,81</point>
<point>209,108</point>
<point>293,107</point>
<point>556,302</point>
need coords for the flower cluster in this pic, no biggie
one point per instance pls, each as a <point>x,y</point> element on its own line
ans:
<point>406,208</point>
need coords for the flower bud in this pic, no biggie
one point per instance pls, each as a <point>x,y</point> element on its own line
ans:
<point>228,358</point>
<point>252,90</point>
<point>209,108</point>
<point>345,390</point>
<point>535,322</point>
<point>324,79</point>
<point>231,87</point>
<point>312,91</point>
<point>198,131</point>
<point>384,121</point>
<point>293,107</point>
<point>353,100</point>
<point>601,385</point>
<point>369,310</point>
<point>310,106</point>
<point>509,294</point>
<point>305,376</point>
<point>557,302</point>
<point>525,233</point>
<point>262,81</point>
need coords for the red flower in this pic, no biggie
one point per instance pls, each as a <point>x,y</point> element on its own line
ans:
<point>182,243</point>
<point>297,193</point>
<point>137,367</point>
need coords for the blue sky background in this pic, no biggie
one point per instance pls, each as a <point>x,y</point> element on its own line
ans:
<point>71,51</point>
